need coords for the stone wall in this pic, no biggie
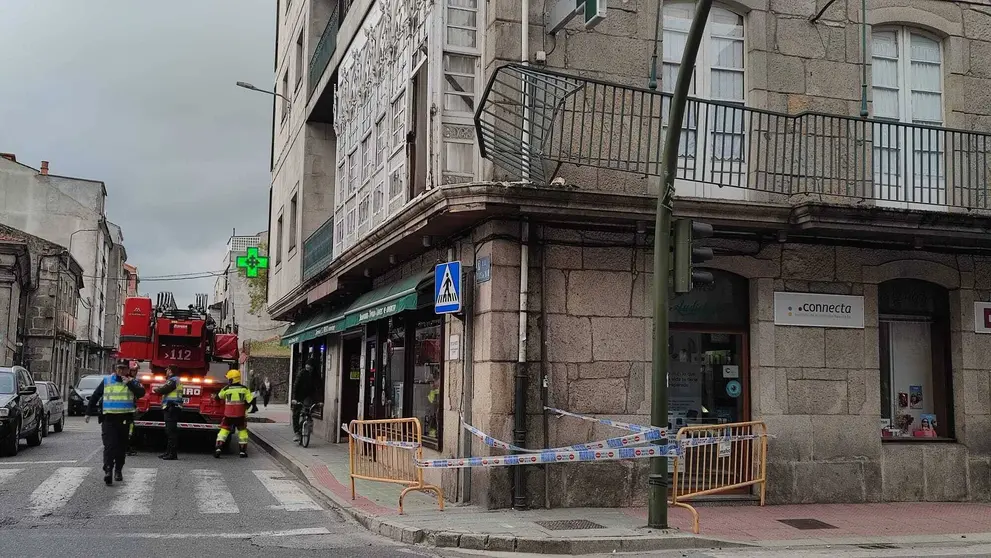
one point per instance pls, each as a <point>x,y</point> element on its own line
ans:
<point>277,371</point>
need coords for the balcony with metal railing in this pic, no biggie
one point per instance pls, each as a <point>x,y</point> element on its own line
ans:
<point>318,250</point>
<point>327,44</point>
<point>728,151</point>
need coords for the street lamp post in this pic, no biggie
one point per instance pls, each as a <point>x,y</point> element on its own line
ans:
<point>657,494</point>
<point>250,87</point>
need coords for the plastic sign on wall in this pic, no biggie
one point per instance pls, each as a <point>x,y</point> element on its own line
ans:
<point>818,310</point>
<point>563,11</point>
<point>982,317</point>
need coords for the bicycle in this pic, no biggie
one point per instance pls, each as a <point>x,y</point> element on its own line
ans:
<point>306,425</point>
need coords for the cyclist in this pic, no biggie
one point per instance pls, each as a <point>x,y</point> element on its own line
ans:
<point>302,397</point>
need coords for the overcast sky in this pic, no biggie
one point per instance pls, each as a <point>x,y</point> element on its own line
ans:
<point>140,94</point>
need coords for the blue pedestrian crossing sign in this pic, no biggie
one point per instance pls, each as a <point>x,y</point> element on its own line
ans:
<point>447,288</point>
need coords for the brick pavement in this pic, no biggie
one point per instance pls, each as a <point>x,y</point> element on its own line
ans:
<point>325,466</point>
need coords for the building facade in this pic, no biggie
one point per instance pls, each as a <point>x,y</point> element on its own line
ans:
<point>233,292</point>
<point>845,179</point>
<point>70,212</point>
<point>117,284</point>
<point>131,280</point>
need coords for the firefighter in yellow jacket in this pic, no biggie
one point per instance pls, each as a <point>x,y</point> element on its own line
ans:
<point>236,398</point>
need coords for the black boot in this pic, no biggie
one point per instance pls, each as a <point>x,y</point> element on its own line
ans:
<point>244,450</point>
<point>118,476</point>
<point>108,478</point>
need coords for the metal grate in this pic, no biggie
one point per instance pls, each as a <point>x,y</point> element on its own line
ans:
<point>531,121</point>
<point>877,546</point>
<point>807,524</point>
<point>568,524</point>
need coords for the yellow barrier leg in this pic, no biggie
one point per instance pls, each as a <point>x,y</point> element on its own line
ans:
<point>695,516</point>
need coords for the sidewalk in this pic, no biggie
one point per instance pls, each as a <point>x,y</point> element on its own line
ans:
<point>325,467</point>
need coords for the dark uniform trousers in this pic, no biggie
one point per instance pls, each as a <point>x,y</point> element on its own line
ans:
<point>115,429</point>
<point>172,414</point>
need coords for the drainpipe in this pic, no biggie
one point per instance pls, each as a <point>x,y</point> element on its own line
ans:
<point>544,365</point>
<point>863,65</point>
<point>468,383</point>
<point>519,405</point>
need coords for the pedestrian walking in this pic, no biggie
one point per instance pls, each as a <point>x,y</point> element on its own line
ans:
<point>255,395</point>
<point>236,398</point>
<point>119,397</point>
<point>302,397</point>
<point>171,392</point>
<point>266,391</point>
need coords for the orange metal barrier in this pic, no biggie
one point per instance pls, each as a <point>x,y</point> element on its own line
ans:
<point>375,455</point>
<point>712,468</point>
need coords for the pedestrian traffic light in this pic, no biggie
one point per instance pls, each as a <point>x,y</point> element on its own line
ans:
<point>687,255</point>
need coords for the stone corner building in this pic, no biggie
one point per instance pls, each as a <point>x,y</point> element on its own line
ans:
<point>852,271</point>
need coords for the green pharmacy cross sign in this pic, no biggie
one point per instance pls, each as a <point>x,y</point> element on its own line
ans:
<point>252,262</point>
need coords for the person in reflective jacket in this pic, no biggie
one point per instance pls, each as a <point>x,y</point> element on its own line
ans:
<point>119,396</point>
<point>236,398</point>
<point>171,392</point>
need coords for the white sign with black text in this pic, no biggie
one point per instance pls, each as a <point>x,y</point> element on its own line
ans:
<point>982,317</point>
<point>818,310</point>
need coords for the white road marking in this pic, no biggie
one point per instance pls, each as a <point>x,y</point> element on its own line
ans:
<point>290,496</point>
<point>7,474</point>
<point>35,462</point>
<point>212,494</point>
<point>56,490</point>
<point>285,533</point>
<point>136,494</point>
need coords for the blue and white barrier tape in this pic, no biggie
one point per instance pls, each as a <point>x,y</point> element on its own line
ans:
<point>552,457</point>
<point>613,443</point>
<point>609,422</point>
<point>387,443</point>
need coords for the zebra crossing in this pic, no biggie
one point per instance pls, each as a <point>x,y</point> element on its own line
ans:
<point>209,491</point>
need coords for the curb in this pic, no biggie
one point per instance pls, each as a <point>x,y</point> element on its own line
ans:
<point>664,540</point>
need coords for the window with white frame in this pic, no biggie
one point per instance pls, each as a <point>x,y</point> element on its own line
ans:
<point>299,60</point>
<point>279,232</point>
<point>462,23</point>
<point>906,67</point>
<point>459,83</point>
<point>353,178</point>
<point>364,211</point>
<point>378,200</point>
<point>396,183</point>
<point>719,76</point>
<point>381,142</point>
<point>339,231</point>
<point>399,121</point>
<point>342,182</point>
<point>366,158</point>
<point>459,161</point>
<point>350,223</point>
<point>285,91</point>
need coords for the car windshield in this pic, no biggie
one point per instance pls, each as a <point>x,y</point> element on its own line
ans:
<point>89,382</point>
<point>7,383</point>
<point>42,391</point>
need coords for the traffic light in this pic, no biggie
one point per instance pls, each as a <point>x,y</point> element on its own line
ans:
<point>686,255</point>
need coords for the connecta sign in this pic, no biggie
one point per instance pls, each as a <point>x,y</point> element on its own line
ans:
<point>818,310</point>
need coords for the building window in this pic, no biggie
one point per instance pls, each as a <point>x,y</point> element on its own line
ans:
<point>285,91</point>
<point>459,161</point>
<point>378,202</point>
<point>396,183</point>
<point>353,178</point>
<point>342,182</point>
<point>398,121</point>
<point>718,76</point>
<point>381,143</point>
<point>299,61</point>
<point>366,158</point>
<point>278,241</point>
<point>350,225</point>
<point>364,208</point>
<point>428,377</point>
<point>459,83</point>
<point>292,220</point>
<point>462,23</point>
<point>907,85</point>
<point>914,349</point>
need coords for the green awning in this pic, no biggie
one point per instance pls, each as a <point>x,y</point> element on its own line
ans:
<point>383,302</point>
<point>386,301</point>
<point>330,320</point>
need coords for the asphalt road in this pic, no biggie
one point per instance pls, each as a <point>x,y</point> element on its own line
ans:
<point>53,503</point>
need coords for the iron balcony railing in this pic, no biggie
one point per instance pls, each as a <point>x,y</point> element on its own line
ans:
<point>586,122</point>
<point>327,44</point>
<point>318,250</point>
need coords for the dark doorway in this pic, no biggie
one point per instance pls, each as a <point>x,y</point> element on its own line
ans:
<point>350,378</point>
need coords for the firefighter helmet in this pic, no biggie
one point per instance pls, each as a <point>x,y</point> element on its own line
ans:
<point>234,376</point>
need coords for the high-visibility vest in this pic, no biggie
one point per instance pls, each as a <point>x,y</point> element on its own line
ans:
<point>236,397</point>
<point>174,396</point>
<point>117,399</point>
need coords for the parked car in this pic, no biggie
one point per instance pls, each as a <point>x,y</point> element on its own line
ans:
<point>54,408</point>
<point>21,410</point>
<point>79,395</point>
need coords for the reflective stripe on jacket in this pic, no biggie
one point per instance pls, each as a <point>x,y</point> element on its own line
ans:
<point>236,397</point>
<point>117,398</point>
<point>174,396</point>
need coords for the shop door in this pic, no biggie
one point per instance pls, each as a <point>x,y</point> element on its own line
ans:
<point>373,381</point>
<point>910,378</point>
<point>350,378</point>
<point>708,383</point>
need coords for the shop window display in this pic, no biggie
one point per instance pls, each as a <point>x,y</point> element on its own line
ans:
<point>427,375</point>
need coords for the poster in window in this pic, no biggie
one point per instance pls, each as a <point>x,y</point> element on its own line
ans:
<point>915,397</point>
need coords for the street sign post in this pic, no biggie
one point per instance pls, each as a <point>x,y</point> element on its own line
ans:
<point>447,288</point>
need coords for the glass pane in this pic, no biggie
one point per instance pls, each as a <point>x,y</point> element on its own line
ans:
<point>727,85</point>
<point>885,103</point>
<point>706,383</point>
<point>678,16</point>
<point>725,23</point>
<point>461,37</point>
<point>459,158</point>
<point>674,45</point>
<point>924,49</point>
<point>727,53</point>
<point>926,77</point>
<point>884,43</point>
<point>727,135</point>
<point>395,368</point>
<point>927,107</point>
<point>427,377</point>
<point>885,73</point>
<point>462,18</point>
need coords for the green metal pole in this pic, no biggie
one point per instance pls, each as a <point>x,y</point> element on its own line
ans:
<point>863,54</point>
<point>657,503</point>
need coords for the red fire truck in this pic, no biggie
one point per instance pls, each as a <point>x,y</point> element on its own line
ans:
<point>156,336</point>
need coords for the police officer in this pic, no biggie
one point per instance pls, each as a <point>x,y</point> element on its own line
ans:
<point>236,398</point>
<point>119,397</point>
<point>171,392</point>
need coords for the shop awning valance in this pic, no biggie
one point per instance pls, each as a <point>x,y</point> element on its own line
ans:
<point>387,300</point>
<point>379,303</point>
<point>330,320</point>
